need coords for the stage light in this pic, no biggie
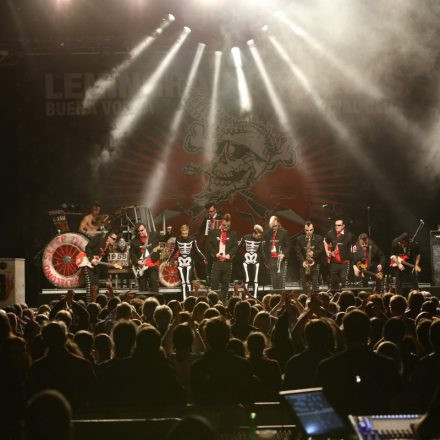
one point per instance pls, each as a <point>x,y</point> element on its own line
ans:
<point>243,91</point>
<point>265,28</point>
<point>187,29</point>
<point>126,120</point>
<point>105,82</point>
<point>171,18</point>
<point>251,43</point>
<point>155,183</point>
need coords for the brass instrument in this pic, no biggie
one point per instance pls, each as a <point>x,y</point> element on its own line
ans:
<point>309,256</point>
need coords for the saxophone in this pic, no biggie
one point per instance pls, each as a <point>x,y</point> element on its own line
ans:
<point>309,259</point>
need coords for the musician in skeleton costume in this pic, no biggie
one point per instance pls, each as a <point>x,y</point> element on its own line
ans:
<point>276,247</point>
<point>253,256</point>
<point>184,246</point>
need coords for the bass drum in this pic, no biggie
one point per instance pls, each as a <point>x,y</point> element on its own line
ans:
<point>59,259</point>
<point>169,275</point>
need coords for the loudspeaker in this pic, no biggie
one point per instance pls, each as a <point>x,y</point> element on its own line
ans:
<point>11,281</point>
<point>435,257</point>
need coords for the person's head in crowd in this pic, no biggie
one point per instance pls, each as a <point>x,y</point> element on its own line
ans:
<point>14,356</point>
<point>175,306</point>
<point>94,310</point>
<point>48,416</point>
<point>43,309</point>
<point>101,299</point>
<point>376,330</point>
<point>242,312</point>
<point>421,316</point>
<point>266,301</point>
<point>148,309</point>
<point>37,348</point>
<point>189,303</point>
<point>254,310</point>
<point>430,307</point>
<point>84,340</point>
<point>333,308</point>
<point>251,301</point>
<point>280,333</point>
<point>217,333</point>
<point>356,328</point>
<point>318,335</point>
<point>435,300</point>
<point>391,351</point>
<point>394,330</point>
<point>54,335</point>
<point>42,319</point>
<point>213,298</point>
<point>256,343</point>
<point>102,347</point>
<point>211,312</point>
<point>199,311</point>
<point>339,318</point>
<point>398,305</point>
<point>123,337</point>
<point>386,298</point>
<point>185,316</point>
<point>137,303</point>
<point>302,299</point>
<point>262,322</point>
<point>162,318</point>
<point>350,308</point>
<point>434,335</point>
<point>201,299</point>
<point>415,301</point>
<point>147,342</point>
<point>27,314</point>
<point>113,303</point>
<point>13,321</point>
<point>183,338</point>
<point>160,297</point>
<point>370,309</point>
<point>222,309</point>
<point>236,346</point>
<point>5,327</point>
<point>346,299</point>
<point>422,333</point>
<point>123,311</point>
<point>193,427</point>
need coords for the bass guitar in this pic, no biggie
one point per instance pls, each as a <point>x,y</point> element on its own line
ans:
<point>396,260</point>
<point>81,260</point>
<point>363,269</point>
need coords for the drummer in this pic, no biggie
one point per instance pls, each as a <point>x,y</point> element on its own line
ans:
<point>89,225</point>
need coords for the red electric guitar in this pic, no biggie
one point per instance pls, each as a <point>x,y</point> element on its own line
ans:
<point>82,260</point>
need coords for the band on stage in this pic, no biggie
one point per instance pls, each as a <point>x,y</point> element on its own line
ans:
<point>212,249</point>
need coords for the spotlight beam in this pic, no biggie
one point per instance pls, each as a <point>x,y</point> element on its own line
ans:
<point>132,112</point>
<point>212,115</point>
<point>103,84</point>
<point>155,182</point>
<point>354,147</point>
<point>274,99</point>
<point>243,91</point>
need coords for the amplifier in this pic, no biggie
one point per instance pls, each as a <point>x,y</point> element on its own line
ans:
<point>11,281</point>
<point>435,257</point>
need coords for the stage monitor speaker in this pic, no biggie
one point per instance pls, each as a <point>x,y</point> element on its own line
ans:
<point>435,257</point>
<point>11,281</point>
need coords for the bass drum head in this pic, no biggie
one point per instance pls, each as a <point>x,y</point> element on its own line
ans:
<point>169,275</point>
<point>59,259</point>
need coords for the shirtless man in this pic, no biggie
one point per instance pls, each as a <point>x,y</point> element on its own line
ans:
<point>87,225</point>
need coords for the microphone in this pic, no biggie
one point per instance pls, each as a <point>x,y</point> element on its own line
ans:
<point>368,208</point>
<point>325,206</point>
<point>422,222</point>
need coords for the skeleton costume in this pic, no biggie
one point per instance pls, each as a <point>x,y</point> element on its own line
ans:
<point>252,258</point>
<point>184,247</point>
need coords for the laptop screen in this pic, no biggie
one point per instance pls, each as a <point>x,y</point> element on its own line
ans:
<point>312,411</point>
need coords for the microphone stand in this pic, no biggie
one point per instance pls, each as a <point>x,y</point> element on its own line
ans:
<point>419,228</point>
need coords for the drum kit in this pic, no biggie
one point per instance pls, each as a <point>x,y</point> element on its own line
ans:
<point>60,254</point>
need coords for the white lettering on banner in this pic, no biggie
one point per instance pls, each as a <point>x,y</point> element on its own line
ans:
<point>73,86</point>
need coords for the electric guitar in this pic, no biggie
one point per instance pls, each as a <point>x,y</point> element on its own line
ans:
<point>363,269</point>
<point>395,260</point>
<point>81,260</point>
<point>140,268</point>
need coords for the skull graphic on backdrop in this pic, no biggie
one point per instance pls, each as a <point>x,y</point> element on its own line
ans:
<point>244,150</point>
